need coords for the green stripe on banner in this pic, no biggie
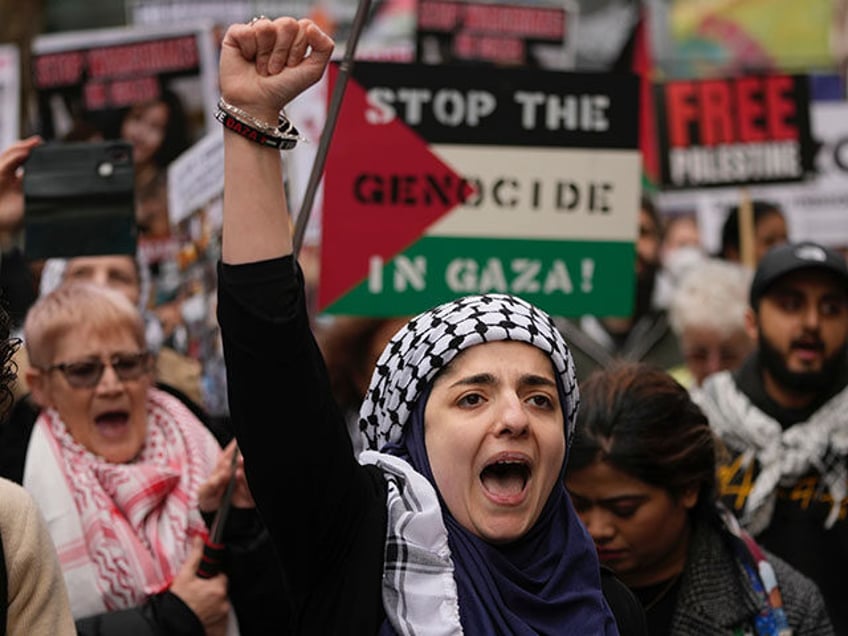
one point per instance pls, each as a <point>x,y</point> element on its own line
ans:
<point>566,278</point>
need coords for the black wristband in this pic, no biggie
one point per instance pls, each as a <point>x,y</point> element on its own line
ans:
<point>252,134</point>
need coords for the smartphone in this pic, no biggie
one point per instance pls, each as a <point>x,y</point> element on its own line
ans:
<point>79,200</point>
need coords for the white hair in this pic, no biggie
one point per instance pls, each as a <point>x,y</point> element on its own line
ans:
<point>712,294</point>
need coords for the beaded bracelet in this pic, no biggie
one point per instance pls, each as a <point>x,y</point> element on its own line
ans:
<point>283,136</point>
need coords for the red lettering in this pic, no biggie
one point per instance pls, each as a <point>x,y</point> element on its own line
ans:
<point>463,46</point>
<point>58,69</point>
<point>529,22</point>
<point>716,116</point>
<point>502,49</point>
<point>132,91</point>
<point>681,112</point>
<point>780,107</point>
<point>157,56</point>
<point>95,96</point>
<point>750,109</point>
<point>437,16</point>
<point>744,110</point>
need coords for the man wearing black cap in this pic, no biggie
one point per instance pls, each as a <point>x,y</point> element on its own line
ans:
<point>784,417</point>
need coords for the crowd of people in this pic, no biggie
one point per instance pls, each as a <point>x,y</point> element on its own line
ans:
<point>482,467</point>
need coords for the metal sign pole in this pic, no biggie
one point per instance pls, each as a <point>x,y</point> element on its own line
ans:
<point>345,68</point>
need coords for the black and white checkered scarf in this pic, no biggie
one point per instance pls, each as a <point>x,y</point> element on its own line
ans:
<point>429,342</point>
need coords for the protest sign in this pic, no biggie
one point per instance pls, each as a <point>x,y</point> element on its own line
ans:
<point>88,79</point>
<point>514,34</point>
<point>196,177</point>
<point>10,95</point>
<point>740,130</point>
<point>446,181</point>
<point>815,210</point>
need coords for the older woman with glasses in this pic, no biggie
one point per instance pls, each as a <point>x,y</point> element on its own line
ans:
<point>121,471</point>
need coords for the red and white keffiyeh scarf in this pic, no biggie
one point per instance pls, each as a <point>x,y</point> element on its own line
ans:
<point>135,521</point>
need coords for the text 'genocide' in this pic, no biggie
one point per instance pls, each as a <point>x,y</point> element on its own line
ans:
<point>563,195</point>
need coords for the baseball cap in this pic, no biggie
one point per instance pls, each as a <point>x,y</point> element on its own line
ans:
<point>791,257</point>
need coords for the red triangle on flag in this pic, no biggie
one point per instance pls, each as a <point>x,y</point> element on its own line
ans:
<point>383,188</point>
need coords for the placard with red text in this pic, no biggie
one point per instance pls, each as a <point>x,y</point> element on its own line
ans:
<point>84,80</point>
<point>739,131</point>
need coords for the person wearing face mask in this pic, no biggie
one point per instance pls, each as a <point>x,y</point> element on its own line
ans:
<point>455,520</point>
<point>642,478</point>
<point>782,415</point>
<point>680,251</point>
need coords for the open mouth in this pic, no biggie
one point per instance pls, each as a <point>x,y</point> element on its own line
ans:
<point>505,479</point>
<point>808,349</point>
<point>112,423</point>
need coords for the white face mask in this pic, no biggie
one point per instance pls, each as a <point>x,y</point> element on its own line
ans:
<point>680,260</point>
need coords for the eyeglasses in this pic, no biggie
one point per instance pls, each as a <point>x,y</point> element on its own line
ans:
<point>86,374</point>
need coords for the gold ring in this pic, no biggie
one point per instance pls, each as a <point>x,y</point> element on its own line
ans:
<point>256,19</point>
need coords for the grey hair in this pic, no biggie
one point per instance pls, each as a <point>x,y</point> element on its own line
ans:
<point>713,294</point>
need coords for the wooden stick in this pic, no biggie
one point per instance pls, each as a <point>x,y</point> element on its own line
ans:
<point>746,230</point>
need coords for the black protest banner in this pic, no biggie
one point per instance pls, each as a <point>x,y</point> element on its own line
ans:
<point>523,107</point>
<point>737,131</point>
<point>538,36</point>
<point>89,77</point>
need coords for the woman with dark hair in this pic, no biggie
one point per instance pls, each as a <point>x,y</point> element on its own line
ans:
<point>158,132</point>
<point>642,477</point>
<point>157,129</point>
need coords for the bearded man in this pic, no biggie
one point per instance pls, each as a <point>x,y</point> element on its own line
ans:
<point>783,417</point>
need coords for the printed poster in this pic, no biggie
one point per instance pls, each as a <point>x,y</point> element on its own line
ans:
<point>10,94</point>
<point>741,130</point>
<point>694,38</point>
<point>86,80</point>
<point>816,209</point>
<point>446,181</point>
